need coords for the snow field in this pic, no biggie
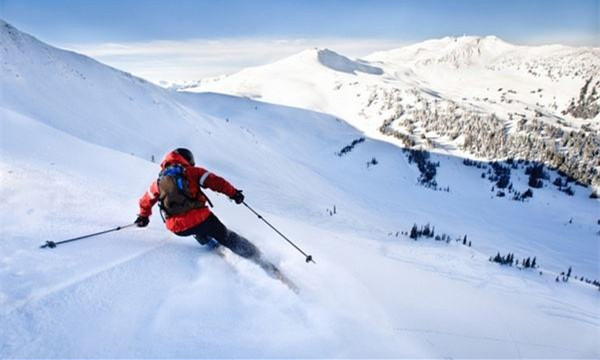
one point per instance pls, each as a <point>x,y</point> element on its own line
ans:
<point>67,170</point>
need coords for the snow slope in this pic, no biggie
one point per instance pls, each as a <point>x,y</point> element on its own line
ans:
<point>439,93</point>
<point>77,139</point>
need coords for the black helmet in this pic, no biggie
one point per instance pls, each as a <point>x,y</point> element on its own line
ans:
<point>187,154</point>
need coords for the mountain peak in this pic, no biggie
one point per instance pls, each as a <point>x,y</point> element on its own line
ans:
<point>335,61</point>
<point>473,39</point>
<point>456,51</point>
<point>9,33</point>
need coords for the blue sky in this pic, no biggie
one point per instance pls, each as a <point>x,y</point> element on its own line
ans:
<point>259,27</point>
<point>138,20</point>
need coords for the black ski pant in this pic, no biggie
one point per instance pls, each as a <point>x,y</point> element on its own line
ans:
<point>213,228</point>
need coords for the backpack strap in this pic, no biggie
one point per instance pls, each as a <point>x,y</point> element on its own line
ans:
<point>161,208</point>
<point>207,199</point>
<point>201,184</point>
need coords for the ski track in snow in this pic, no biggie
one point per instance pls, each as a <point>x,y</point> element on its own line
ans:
<point>101,294</point>
<point>45,292</point>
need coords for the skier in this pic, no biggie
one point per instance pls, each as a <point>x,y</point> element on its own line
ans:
<point>182,203</point>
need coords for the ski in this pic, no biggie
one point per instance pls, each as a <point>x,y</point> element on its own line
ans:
<point>274,272</point>
<point>271,270</point>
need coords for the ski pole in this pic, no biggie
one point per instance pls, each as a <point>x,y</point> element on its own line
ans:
<point>52,244</point>
<point>308,257</point>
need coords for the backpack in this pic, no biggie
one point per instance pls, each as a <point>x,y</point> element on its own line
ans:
<point>175,197</point>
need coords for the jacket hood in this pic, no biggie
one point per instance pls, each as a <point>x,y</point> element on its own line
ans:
<point>174,158</point>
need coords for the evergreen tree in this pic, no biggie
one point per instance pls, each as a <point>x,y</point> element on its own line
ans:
<point>413,232</point>
<point>465,240</point>
<point>533,262</point>
<point>426,230</point>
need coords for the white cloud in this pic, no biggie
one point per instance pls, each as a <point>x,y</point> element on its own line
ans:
<point>178,61</point>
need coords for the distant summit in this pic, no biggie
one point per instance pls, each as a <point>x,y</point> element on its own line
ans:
<point>329,59</point>
<point>455,51</point>
<point>341,63</point>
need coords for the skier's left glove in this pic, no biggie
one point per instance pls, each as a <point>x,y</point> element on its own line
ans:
<point>238,197</point>
<point>142,221</point>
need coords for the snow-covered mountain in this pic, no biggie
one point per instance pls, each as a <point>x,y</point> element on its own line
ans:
<point>474,96</point>
<point>78,139</point>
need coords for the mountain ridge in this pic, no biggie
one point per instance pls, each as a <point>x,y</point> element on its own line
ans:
<point>522,90</point>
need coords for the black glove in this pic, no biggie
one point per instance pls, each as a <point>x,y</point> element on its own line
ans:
<point>238,197</point>
<point>142,221</point>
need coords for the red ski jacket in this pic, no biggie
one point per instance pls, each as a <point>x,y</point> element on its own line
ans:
<point>197,177</point>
